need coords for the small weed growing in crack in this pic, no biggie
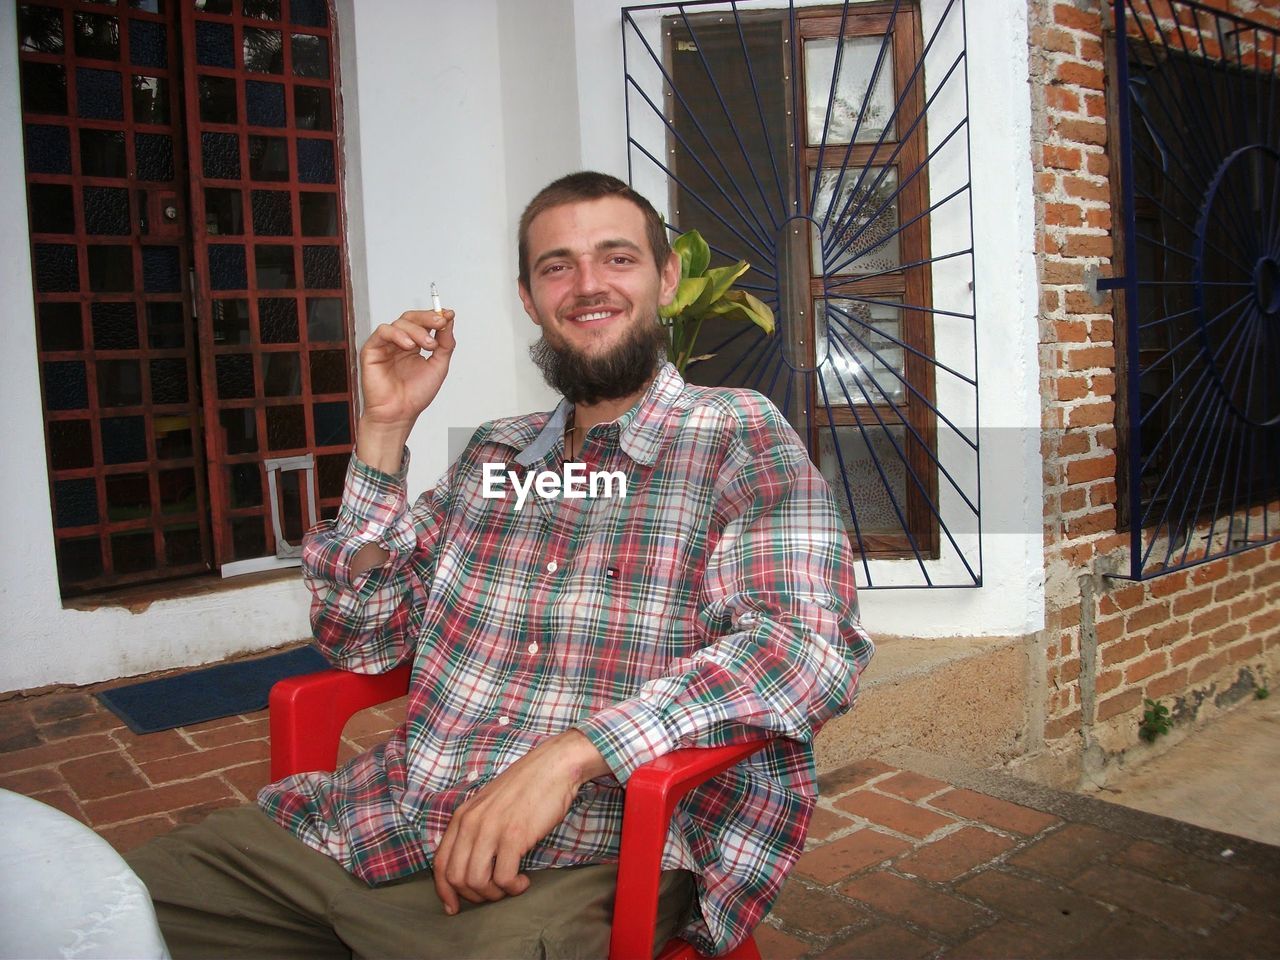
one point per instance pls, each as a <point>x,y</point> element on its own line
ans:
<point>1155,720</point>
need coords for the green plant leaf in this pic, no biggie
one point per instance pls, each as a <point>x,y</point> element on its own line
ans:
<point>689,291</point>
<point>720,279</point>
<point>695,255</point>
<point>741,305</point>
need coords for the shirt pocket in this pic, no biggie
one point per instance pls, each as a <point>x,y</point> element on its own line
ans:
<point>626,618</point>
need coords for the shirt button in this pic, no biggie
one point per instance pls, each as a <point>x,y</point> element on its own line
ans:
<point>473,776</point>
<point>533,647</point>
<point>503,721</point>
<point>552,567</point>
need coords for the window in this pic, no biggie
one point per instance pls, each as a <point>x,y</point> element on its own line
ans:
<point>1200,458</point>
<point>796,138</point>
<point>191,306</point>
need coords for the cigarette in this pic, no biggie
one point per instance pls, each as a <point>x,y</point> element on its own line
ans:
<point>435,298</point>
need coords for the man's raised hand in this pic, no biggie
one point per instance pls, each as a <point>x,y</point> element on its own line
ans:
<point>397,382</point>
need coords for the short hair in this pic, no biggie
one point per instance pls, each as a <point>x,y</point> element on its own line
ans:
<point>588,185</point>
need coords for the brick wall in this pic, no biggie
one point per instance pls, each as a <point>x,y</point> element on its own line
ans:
<point>1199,638</point>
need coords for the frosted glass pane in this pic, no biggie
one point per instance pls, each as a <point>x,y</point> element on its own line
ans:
<point>861,234</point>
<point>860,358</point>
<point>850,98</point>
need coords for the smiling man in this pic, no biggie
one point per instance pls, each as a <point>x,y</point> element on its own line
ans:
<point>555,648</point>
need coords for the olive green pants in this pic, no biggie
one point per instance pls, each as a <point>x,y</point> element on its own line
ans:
<point>239,885</point>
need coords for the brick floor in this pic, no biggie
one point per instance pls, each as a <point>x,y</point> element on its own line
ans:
<point>899,862</point>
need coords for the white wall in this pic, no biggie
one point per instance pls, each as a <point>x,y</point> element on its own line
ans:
<point>455,114</point>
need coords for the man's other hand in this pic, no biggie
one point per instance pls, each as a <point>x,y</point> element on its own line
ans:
<point>479,855</point>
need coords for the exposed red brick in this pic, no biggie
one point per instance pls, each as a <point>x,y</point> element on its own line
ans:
<point>1192,600</point>
<point>1122,650</point>
<point>1245,651</point>
<point>1230,588</point>
<point>1195,646</point>
<point>1087,358</point>
<point>1098,164</point>
<point>1087,245</point>
<point>1063,100</point>
<point>1061,272</point>
<point>1087,190</point>
<point>1118,704</point>
<point>1070,388</point>
<point>1169,583</point>
<point>1063,215</point>
<point>1208,667</point>
<point>1148,665</point>
<point>1091,414</point>
<point>1147,616</point>
<point>1165,903</point>
<point>1109,630</point>
<point>1091,468</point>
<point>1069,15</point>
<point>1265,622</point>
<point>1097,522</point>
<point>1064,158</point>
<point>1053,40</point>
<point>1070,331</point>
<point>1225,636</point>
<point>1206,572</point>
<point>1098,217</point>
<point>1090,49</point>
<point>1169,683</point>
<point>1165,634</point>
<point>1079,75</point>
<point>1082,131</point>
<point>1064,853</point>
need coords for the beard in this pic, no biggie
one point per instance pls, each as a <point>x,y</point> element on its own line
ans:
<point>620,372</point>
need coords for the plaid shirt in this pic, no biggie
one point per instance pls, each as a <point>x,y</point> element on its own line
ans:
<point>714,601</point>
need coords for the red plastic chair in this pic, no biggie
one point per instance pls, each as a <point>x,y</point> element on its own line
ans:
<point>307,716</point>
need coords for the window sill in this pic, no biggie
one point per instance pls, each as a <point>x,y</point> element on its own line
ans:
<point>138,598</point>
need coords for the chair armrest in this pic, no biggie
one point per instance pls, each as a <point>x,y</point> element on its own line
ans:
<point>308,713</point>
<point>653,791</point>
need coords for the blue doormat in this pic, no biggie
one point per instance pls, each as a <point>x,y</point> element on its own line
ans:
<point>207,694</point>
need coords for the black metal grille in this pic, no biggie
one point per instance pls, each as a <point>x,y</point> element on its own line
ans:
<point>1200,152</point>
<point>829,147</point>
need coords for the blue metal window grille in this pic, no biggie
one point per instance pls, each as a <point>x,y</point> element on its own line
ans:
<point>829,147</point>
<point>1199,124</point>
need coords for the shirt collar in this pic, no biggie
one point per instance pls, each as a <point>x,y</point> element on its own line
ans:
<point>641,429</point>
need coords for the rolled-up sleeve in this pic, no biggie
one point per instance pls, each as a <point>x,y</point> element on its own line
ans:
<point>368,622</point>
